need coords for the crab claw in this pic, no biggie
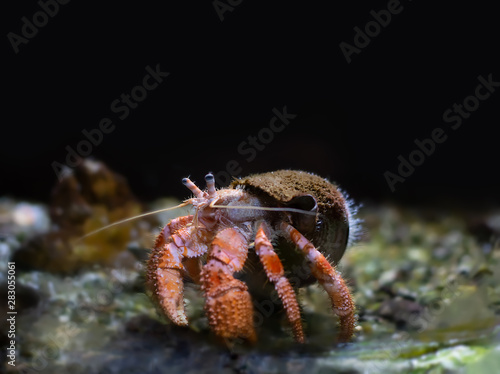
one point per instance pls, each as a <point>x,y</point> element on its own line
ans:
<point>164,275</point>
<point>228,304</point>
<point>170,293</point>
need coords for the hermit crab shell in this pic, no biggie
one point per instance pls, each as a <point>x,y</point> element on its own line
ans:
<point>328,229</point>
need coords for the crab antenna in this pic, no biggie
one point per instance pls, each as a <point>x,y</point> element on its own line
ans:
<point>194,189</point>
<point>274,209</point>
<point>132,218</point>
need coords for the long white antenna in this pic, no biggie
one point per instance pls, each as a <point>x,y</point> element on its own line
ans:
<point>132,218</point>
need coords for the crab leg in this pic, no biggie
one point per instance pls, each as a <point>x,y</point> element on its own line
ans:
<point>228,304</point>
<point>172,227</point>
<point>332,282</point>
<point>165,267</point>
<point>275,273</point>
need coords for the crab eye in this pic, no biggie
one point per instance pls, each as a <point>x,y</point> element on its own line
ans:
<point>209,177</point>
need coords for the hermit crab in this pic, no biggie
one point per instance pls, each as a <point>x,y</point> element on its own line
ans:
<point>211,247</point>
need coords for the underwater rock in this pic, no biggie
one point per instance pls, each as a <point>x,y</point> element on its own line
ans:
<point>401,311</point>
<point>485,227</point>
<point>22,219</point>
<point>88,197</point>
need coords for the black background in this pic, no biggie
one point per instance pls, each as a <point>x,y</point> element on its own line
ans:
<point>353,120</point>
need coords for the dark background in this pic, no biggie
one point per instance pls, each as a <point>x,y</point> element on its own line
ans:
<point>353,120</point>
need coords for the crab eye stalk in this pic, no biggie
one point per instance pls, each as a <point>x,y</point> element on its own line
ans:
<point>210,180</point>
<point>194,189</point>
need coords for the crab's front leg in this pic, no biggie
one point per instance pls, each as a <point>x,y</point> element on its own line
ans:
<point>165,271</point>
<point>228,304</point>
<point>332,282</point>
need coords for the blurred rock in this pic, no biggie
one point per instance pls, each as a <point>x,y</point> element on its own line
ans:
<point>22,219</point>
<point>485,227</point>
<point>88,198</point>
<point>401,311</point>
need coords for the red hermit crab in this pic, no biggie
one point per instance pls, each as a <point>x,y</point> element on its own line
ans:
<point>211,246</point>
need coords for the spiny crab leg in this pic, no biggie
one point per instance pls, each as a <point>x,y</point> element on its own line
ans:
<point>171,227</point>
<point>276,274</point>
<point>228,304</point>
<point>332,282</point>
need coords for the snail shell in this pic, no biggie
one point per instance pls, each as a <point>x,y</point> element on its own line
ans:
<point>329,229</point>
